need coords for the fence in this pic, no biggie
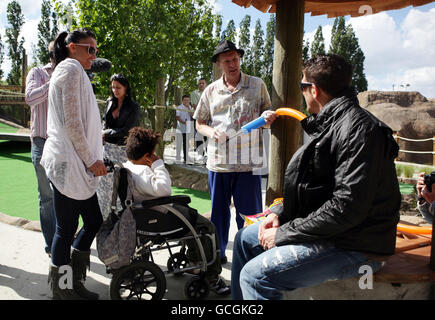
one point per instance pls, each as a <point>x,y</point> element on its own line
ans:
<point>397,138</point>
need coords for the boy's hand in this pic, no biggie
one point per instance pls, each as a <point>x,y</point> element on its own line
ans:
<point>150,159</point>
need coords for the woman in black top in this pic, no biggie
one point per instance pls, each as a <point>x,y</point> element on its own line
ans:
<point>122,114</point>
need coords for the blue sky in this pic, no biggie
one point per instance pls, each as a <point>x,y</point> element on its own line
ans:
<point>229,10</point>
<point>399,45</point>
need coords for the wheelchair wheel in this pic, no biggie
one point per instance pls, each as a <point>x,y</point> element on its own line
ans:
<point>177,261</point>
<point>196,289</point>
<point>138,281</point>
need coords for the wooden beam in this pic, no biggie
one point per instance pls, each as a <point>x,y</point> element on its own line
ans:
<point>217,73</point>
<point>286,132</point>
<point>12,102</point>
<point>160,114</point>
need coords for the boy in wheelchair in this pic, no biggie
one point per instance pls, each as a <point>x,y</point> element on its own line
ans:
<point>151,180</point>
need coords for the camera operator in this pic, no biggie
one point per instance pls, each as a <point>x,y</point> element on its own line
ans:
<point>426,198</point>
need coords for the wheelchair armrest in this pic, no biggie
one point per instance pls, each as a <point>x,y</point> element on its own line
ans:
<point>180,199</point>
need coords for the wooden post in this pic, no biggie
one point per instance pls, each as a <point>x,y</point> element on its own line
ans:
<point>160,114</point>
<point>217,73</point>
<point>433,150</point>
<point>286,133</point>
<point>395,136</point>
<point>432,249</point>
<point>177,99</point>
<point>26,118</point>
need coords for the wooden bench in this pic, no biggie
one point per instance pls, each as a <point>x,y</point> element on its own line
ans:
<point>405,275</point>
<point>410,263</point>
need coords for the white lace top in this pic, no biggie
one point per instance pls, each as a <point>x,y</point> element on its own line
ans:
<point>74,132</point>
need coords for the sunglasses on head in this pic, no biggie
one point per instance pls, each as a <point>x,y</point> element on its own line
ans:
<point>91,49</point>
<point>305,85</point>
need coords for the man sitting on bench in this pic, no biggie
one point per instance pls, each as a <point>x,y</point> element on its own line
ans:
<point>341,196</point>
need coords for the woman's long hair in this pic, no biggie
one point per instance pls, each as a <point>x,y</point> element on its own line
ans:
<point>124,81</point>
<point>64,38</point>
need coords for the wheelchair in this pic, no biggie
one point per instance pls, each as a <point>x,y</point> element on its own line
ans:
<point>161,224</point>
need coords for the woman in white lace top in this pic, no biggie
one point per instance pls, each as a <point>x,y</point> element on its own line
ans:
<point>72,159</point>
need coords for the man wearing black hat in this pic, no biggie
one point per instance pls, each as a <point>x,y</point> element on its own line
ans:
<point>225,106</point>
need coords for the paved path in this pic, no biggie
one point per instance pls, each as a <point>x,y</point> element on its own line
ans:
<point>24,268</point>
<point>24,264</point>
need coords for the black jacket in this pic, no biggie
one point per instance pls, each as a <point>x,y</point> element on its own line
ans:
<point>342,185</point>
<point>115,130</point>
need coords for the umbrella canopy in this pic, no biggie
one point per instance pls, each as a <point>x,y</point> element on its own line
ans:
<point>335,8</point>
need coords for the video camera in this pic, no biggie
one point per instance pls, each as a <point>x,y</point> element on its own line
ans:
<point>429,179</point>
<point>110,166</point>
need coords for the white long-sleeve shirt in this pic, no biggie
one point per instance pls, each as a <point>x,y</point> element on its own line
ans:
<point>74,132</point>
<point>149,182</point>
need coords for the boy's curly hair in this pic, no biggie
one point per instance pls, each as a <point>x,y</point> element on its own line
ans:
<point>140,141</point>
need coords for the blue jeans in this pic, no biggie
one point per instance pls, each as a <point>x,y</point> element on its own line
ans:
<point>262,275</point>
<point>67,215</point>
<point>46,211</point>
<point>244,188</point>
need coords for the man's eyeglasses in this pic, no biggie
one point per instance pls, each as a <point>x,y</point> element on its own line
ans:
<point>305,85</point>
<point>91,49</point>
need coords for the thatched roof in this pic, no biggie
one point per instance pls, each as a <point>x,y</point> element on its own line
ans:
<point>335,8</point>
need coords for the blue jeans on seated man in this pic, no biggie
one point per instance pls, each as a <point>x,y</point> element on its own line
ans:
<point>46,210</point>
<point>263,275</point>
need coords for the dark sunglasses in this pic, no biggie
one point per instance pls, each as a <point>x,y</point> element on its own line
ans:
<point>305,85</point>
<point>91,49</point>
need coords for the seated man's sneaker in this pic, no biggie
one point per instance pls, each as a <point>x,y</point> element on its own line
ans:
<point>220,287</point>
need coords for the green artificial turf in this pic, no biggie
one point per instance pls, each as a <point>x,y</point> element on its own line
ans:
<point>406,188</point>
<point>19,190</point>
<point>18,186</point>
<point>7,129</point>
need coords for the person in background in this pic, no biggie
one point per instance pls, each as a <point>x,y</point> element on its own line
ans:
<point>73,161</point>
<point>151,180</point>
<point>122,113</point>
<point>37,84</point>
<point>200,140</point>
<point>426,199</point>
<point>225,106</point>
<point>184,127</point>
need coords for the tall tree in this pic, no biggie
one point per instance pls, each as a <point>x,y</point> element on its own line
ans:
<point>2,54</point>
<point>268,52</point>
<point>305,50</point>
<point>16,45</point>
<point>345,43</point>
<point>45,32</point>
<point>218,28</point>
<point>245,44</point>
<point>257,49</point>
<point>174,43</point>
<point>318,45</point>
<point>230,31</point>
<point>357,59</point>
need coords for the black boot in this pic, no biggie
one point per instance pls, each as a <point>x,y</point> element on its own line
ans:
<point>58,292</point>
<point>80,261</point>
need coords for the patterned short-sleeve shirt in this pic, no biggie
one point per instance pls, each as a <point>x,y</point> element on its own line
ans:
<point>228,111</point>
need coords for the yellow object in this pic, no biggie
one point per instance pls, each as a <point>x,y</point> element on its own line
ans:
<point>414,229</point>
<point>291,113</point>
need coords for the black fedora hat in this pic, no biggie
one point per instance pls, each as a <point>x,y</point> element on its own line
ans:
<point>225,46</point>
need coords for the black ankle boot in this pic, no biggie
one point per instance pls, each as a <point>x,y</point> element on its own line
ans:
<point>80,261</point>
<point>58,292</point>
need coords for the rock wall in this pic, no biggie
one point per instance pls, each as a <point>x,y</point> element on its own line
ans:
<point>410,114</point>
<point>188,178</point>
